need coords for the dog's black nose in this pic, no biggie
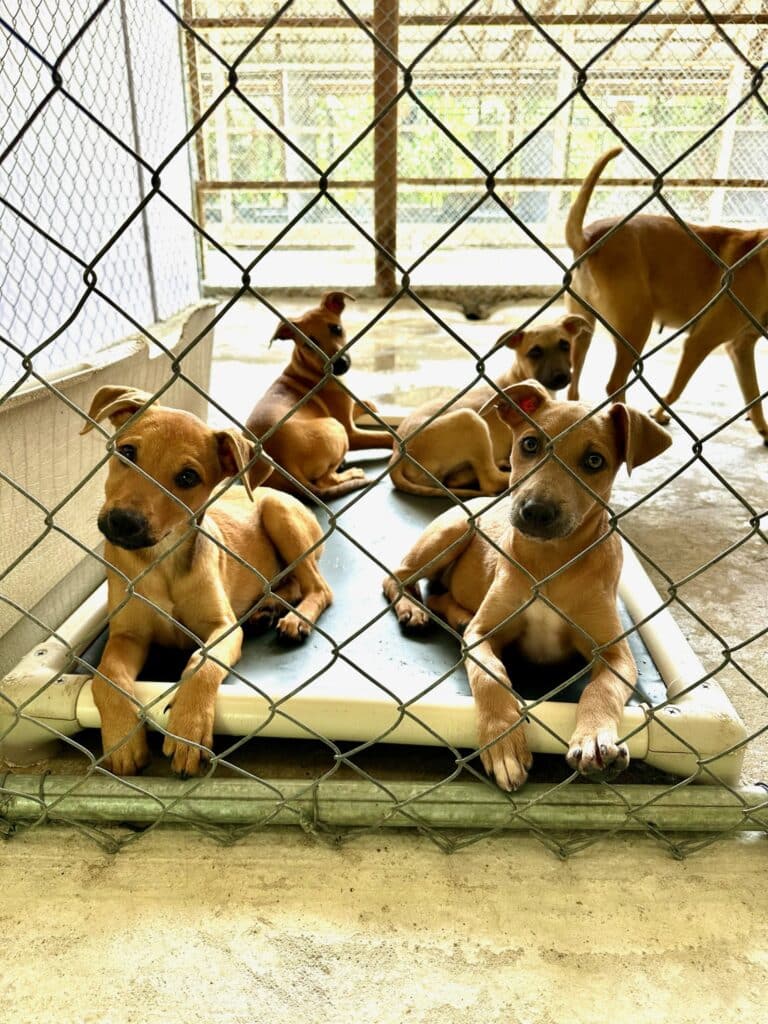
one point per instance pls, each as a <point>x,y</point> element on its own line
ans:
<point>539,514</point>
<point>340,365</point>
<point>560,380</point>
<point>125,528</point>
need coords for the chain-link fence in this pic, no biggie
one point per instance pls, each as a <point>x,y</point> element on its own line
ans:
<point>91,99</point>
<point>345,145</point>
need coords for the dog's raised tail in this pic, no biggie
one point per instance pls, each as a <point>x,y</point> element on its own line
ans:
<point>574,225</point>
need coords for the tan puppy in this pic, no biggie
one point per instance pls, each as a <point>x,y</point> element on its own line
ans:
<point>549,519</point>
<point>313,442</point>
<point>198,583</point>
<point>467,447</point>
<point>652,269</point>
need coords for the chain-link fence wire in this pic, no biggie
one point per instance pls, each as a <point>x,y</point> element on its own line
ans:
<point>85,91</point>
<point>491,80</point>
<point>302,802</point>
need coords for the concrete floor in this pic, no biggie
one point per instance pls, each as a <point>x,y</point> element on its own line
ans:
<point>387,928</point>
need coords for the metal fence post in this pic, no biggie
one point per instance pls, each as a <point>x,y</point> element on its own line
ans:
<point>385,71</point>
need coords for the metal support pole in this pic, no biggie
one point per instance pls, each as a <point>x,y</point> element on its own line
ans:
<point>385,26</point>
<point>137,147</point>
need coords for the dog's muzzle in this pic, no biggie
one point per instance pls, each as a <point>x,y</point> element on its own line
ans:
<point>541,519</point>
<point>340,365</point>
<point>126,529</point>
<point>557,381</point>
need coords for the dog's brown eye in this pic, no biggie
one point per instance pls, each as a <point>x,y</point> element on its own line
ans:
<point>335,329</point>
<point>187,478</point>
<point>530,444</point>
<point>593,462</point>
<point>534,353</point>
<point>565,346</point>
<point>127,451</point>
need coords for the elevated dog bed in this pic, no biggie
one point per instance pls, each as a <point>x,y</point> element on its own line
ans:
<point>358,678</point>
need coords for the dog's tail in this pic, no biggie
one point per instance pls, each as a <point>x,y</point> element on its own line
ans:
<point>574,225</point>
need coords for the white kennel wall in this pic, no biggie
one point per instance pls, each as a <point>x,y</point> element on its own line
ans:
<point>70,191</point>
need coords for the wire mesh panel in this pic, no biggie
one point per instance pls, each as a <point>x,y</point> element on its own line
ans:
<point>86,249</point>
<point>384,148</point>
<point>479,91</point>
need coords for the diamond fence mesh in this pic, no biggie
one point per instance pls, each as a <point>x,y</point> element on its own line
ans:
<point>389,147</point>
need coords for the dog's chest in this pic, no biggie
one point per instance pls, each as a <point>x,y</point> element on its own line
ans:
<point>168,610</point>
<point>544,634</point>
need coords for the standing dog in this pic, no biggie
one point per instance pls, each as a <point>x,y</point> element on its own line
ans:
<point>551,521</point>
<point>466,447</point>
<point>198,583</point>
<point>653,269</point>
<point>313,441</point>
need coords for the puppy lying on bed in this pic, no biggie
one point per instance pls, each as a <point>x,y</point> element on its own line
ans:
<point>466,447</point>
<point>540,571</point>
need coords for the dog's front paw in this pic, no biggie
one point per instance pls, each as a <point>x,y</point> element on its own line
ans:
<point>507,759</point>
<point>598,753</point>
<point>129,740</point>
<point>660,415</point>
<point>192,724</point>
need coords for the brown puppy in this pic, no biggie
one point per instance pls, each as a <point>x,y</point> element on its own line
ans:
<point>467,446</point>
<point>313,442</point>
<point>197,583</point>
<point>511,597</point>
<point>652,269</point>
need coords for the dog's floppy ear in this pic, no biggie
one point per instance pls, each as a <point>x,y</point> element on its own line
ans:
<point>529,396</point>
<point>511,339</point>
<point>640,438</point>
<point>574,325</point>
<point>335,302</point>
<point>235,452</point>
<point>118,402</point>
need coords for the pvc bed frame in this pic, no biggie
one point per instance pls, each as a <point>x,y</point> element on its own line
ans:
<point>678,726</point>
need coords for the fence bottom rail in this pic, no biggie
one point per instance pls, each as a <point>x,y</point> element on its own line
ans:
<point>106,800</point>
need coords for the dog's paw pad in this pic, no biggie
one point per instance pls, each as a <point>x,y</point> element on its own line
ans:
<point>507,760</point>
<point>660,415</point>
<point>597,755</point>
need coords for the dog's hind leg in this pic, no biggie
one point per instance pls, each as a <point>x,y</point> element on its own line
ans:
<point>296,535</point>
<point>474,447</point>
<point>742,352</point>
<point>270,609</point>
<point>702,340</point>
<point>457,617</point>
<point>332,484</point>
<point>439,546</point>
